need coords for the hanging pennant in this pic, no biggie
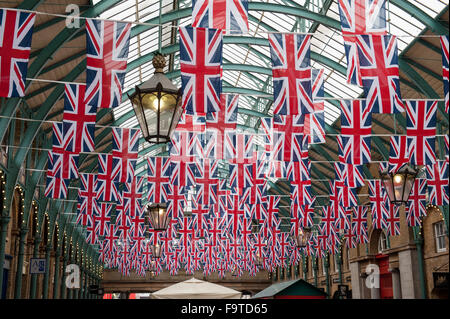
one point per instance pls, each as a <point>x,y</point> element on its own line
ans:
<point>16,31</point>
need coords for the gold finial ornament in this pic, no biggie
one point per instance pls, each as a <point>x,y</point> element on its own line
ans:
<point>159,62</point>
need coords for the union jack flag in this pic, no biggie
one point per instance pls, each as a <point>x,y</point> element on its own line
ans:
<point>315,121</point>
<point>125,150</point>
<point>445,73</point>
<point>229,15</point>
<point>291,71</point>
<point>64,162</point>
<point>359,17</point>
<point>276,169</point>
<point>159,170</point>
<point>107,187</point>
<point>288,138</point>
<point>79,119</point>
<point>437,180</point>
<point>16,31</point>
<point>378,58</point>
<point>207,181</point>
<point>393,219</point>
<point>328,219</point>
<point>183,149</point>
<point>421,131</point>
<point>102,218</point>
<point>200,65</point>
<point>107,52</point>
<point>222,122</point>
<point>356,130</point>
<point>398,154</point>
<point>349,174</point>
<point>377,201</point>
<point>347,196</point>
<point>416,207</point>
<point>87,195</point>
<point>240,177</point>
<point>56,187</point>
<point>344,219</point>
<point>359,220</point>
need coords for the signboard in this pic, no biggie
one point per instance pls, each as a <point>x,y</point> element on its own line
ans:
<point>37,266</point>
<point>440,280</point>
<point>343,290</point>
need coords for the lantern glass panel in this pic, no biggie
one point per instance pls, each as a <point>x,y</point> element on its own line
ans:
<point>408,186</point>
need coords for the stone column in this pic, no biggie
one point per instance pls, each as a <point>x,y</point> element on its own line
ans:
<point>396,288</point>
<point>408,279</point>
<point>356,280</point>
<point>37,241</point>
<point>56,277</point>
<point>48,249</point>
<point>63,290</point>
<point>18,285</point>
<point>4,221</point>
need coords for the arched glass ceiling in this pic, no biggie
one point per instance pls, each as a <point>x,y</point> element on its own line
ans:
<point>327,43</point>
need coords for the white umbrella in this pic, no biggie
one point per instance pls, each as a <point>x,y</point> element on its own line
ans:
<point>196,289</point>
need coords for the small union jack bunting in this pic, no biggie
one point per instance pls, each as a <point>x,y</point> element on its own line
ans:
<point>416,207</point>
<point>315,121</point>
<point>421,131</point>
<point>288,138</point>
<point>359,17</point>
<point>222,122</point>
<point>392,219</point>
<point>62,160</point>
<point>291,72</point>
<point>16,31</point>
<point>378,59</point>
<point>437,180</point>
<point>229,15</point>
<point>377,202</point>
<point>107,52</point>
<point>356,130</point>
<point>56,187</point>
<point>107,186</point>
<point>79,119</point>
<point>201,68</point>
<point>445,74</point>
<point>398,154</point>
<point>125,151</point>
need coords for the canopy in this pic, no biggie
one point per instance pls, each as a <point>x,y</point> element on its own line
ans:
<point>196,289</point>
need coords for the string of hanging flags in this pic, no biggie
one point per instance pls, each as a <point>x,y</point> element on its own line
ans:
<point>229,221</point>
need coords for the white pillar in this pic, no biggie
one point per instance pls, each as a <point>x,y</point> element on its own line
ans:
<point>408,278</point>
<point>396,288</point>
<point>356,280</point>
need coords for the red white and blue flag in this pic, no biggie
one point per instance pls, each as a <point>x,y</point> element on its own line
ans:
<point>392,219</point>
<point>107,186</point>
<point>356,130</point>
<point>349,174</point>
<point>377,202</point>
<point>56,188</point>
<point>437,180</point>
<point>416,207</point>
<point>288,138</point>
<point>159,170</point>
<point>201,68</point>
<point>229,15</point>
<point>291,72</point>
<point>222,122</point>
<point>107,53</point>
<point>79,119</point>
<point>125,149</point>
<point>359,17</point>
<point>445,73</point>
<point>315,121</point>
<point>87,196</point>
<point>378,59</point>
<point>16,31</point>
<point>64,161</point>
<point>421,131</point>
<point>398,154</point>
